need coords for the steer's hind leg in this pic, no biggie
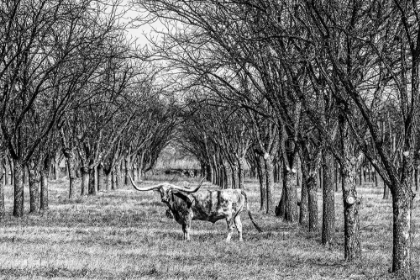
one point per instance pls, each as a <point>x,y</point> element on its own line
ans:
<point>238,225</point>
<point>229,222</point>
<point>186,228</point>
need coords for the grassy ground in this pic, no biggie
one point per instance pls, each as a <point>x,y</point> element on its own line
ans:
<point>125,235</point>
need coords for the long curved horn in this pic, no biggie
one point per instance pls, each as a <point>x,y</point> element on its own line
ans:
<point>183,189</point>
<point>145,188</point>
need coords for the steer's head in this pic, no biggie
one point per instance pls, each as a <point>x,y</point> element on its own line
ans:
<point>166,190</point>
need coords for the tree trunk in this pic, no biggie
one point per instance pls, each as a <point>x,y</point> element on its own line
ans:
<point>241,173</point>
<point>386,192</point>
<point>291,214</point>
<point>118,175</point>
<point>328,206</point>
<point>3,174</point>
<point>113,180</point>
<point>25,176</point>
<point>44,190</point>
<point>71,174</point>
<point>352,242</point>
<point>7,174</point>
<point>56,167</point>
<point>127,170</point>
<point>108,178</point>
<point>402,205</point>
<point>33,191</point>
<point>303,213</point>
<point>228,173</point>
<point>85,180</point>
<point>312,202</point>
<point>261,179</point>
<point>92,181</point>
<point>235,175</point>
<point>99,177</point>
<point>18,188</point>
<point>269,177</point>
<point>12,171</point>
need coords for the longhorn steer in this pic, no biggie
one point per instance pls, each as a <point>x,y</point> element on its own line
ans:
<point>188,204</point>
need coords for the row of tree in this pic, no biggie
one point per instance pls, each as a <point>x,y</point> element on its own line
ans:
<point>323,81</point>
<point>73,85</point>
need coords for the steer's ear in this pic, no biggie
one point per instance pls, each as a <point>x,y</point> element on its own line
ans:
<point>184,197</point>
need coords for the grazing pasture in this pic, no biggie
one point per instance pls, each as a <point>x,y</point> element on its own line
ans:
<point>125,234</point>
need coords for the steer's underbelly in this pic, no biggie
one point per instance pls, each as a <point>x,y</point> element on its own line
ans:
<point>211,217</point>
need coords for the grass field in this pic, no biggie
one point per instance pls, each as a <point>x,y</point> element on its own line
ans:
<point>126,235</point>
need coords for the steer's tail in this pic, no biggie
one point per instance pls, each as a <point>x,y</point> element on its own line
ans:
<point>249,212</point>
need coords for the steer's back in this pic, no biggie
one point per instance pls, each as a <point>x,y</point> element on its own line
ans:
<point>213,205</point>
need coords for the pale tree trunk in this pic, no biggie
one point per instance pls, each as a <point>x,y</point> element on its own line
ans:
<point>135,172</point>
<point>56,166</point>
<point>33,191</point>
<point>269,182</point>
<point>291,209</point>
<point>18,188</point>
<point>312,202</point>
<point>228,172</point>
<point>386,192</point>
<point>71,169</point>
<point>241,172</point>
<point>44,190</point>
<point>140,162</point>
<point>351,202</point>
<point>12,171</point>
<point>118,176</point>
<point>235,175</point>
<point>85,180</point>
<point>8,173</point>
<point>309,180</point>
<point>328,194</point>
<point>2,184</point>
<point>402,205</point>
<point>303,212</point>
<point>262,181</point>
<point>108,178</point>
<point>25,175</point>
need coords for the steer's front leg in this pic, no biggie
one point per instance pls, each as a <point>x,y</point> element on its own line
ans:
<point>186,229</point>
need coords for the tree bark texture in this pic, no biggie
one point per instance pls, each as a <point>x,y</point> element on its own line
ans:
<point>241,172</point>
<point>44,203</point>
<point>402,205</point>
<point>113,180</point>
<point>229,178</point>
<point>303,212</point>
<point>72,175</point>
<point>328,206</point>
<point>34,198</point>
<point>386,192</point>
<point>262,182</point>
<point>235,175</point>
<point>85,180</point>
<point>127,170</point>
<point>269,177</point>
<point>312,202</point>
<point>291,214</point>
<point>92,182</point>
<point>351,202</point>
<point>118,175</point>
<point>3,175</point>
<point>18,188</point>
